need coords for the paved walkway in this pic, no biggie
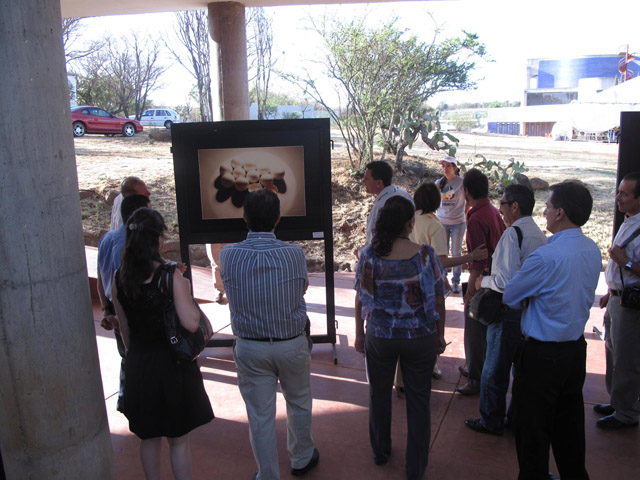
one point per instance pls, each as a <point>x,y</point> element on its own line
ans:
<point>221,449</point>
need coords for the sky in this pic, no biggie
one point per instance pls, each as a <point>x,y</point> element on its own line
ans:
<point>513,31</point>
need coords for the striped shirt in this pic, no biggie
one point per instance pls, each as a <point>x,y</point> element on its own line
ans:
<point>264,279</point>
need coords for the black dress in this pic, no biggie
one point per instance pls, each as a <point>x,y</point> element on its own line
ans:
<point>162,398</point>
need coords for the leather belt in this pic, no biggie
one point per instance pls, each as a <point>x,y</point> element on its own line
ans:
<point>269,339</point>
<point>616,293</point>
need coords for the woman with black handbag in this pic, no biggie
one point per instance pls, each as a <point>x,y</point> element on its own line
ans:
<point>162,397</point>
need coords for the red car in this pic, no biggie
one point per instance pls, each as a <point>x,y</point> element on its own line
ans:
<point>96,120</point>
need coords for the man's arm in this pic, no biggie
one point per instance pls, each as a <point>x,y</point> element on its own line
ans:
<point>526,282</point>
<point>109,319</point>
<point>474,274</point>
<point>505,263</point>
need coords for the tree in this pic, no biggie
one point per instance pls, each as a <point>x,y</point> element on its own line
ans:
<point>192,32</point>
<point>121,77</point>
<point>71,32</point>
<point>384,77</point>
<point>259,55</point>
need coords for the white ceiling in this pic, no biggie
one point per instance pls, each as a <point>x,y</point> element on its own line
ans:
<point>92,8</point>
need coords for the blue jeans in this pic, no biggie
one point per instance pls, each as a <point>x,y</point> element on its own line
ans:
<point>455,233</point>
<point>503,340</point>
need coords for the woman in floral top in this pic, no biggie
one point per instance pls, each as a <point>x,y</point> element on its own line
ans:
<point>401,286</point>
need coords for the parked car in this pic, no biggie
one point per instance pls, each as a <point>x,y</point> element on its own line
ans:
<point>158,117</point>
<point>87,119</point>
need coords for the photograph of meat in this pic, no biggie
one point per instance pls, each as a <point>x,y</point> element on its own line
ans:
<point>228,175</point>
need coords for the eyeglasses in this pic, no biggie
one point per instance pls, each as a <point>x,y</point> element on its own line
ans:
<point>505,203</point>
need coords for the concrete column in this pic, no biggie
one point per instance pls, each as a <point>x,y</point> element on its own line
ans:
<point>53,421</point>
<point>229,59</point>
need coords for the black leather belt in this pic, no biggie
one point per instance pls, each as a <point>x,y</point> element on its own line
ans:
<point>616,293</point>
<point>270,339</point>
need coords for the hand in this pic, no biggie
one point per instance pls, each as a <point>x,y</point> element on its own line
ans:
<point>480,253</point>
<point>618,255</point>
<point>182,267</point>
<point>478,283</point>
<point>359,344</point>
<point>442,344</point>
<point>109,322</point>
<point>469,295</point>
<point>604,300</point>
<point>355,252</point>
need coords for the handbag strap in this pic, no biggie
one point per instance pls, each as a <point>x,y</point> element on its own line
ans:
<point>623,245</point>
<point>166,279</point>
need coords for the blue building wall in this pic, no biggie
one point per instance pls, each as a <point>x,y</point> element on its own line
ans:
<point>566,73</point>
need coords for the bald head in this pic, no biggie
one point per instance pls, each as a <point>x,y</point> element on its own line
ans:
<point>134,186</point>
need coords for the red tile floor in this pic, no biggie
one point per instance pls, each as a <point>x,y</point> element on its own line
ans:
<point>221,449</point>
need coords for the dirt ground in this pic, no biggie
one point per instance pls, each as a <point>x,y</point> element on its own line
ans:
<point>103,162</point>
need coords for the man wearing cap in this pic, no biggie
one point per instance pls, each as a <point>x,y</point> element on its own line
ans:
<point>452,213</point>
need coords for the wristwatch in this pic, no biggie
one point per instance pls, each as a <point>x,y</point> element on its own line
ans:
<point>627,267</point>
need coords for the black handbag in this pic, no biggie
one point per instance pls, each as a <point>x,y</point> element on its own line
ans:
<point>485,306</point>
<point>185,346</point>
<point>486,303</point>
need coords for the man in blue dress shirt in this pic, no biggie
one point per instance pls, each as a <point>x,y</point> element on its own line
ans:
<point>557,283</point>
<point>265,280</point>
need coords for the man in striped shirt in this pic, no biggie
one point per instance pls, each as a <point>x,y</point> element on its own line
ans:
<point>265,280</point>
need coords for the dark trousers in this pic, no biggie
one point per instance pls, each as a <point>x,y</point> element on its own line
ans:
<point>549,409</point>
<point>417,357</point>
<point>475,345</point>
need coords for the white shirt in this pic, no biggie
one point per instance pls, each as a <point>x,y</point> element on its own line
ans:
<point>385,194</point>
<point>612,272</point>
<point>509,256</point>
<point>116,215</point>
<point>452,203</point>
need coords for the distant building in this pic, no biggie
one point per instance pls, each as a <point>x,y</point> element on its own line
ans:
<point>583,95</point>
<point>288,112</point>
<point>72,81</point>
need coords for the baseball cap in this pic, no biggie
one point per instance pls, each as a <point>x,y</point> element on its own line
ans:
<point>450,159</point>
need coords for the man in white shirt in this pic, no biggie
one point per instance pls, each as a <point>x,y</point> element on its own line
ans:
<point>504,334</point>
<point>623,337</point>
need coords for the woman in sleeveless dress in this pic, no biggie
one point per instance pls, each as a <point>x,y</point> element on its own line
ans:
<point>162,397</point>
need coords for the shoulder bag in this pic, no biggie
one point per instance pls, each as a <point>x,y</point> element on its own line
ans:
<point>630,297</point>
<point>185,346</point>
<point>486,303</point>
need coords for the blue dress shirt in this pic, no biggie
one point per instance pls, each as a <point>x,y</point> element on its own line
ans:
<point>109,250</point>
<point>560,280</point>
<point>265,279</point>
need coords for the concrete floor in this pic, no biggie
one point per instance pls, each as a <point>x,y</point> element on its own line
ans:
<point>221,449</point>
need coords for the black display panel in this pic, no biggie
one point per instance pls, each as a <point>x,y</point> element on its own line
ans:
<point>217,163</point>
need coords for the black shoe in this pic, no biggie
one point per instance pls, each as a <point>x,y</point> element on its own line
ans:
<point>612,423</point>
<point>604,409</point>
<point>476,425</point>
<point>470,388</point>
<point>299,472</point>
<point>380,460</point>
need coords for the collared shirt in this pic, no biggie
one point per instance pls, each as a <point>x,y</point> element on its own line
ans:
<point>264,279</point>
<point>399,296</point>
<point>429,231</point>
<point>509,256</point>
<point>560,280</point>
<point>385,194</point>
<point>451,211</point>
<point>109,250</point>
<point>116,215</point>
<point>484,227</point>
<point>612,272</point>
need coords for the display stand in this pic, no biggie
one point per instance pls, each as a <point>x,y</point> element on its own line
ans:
<point>299,148</point>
